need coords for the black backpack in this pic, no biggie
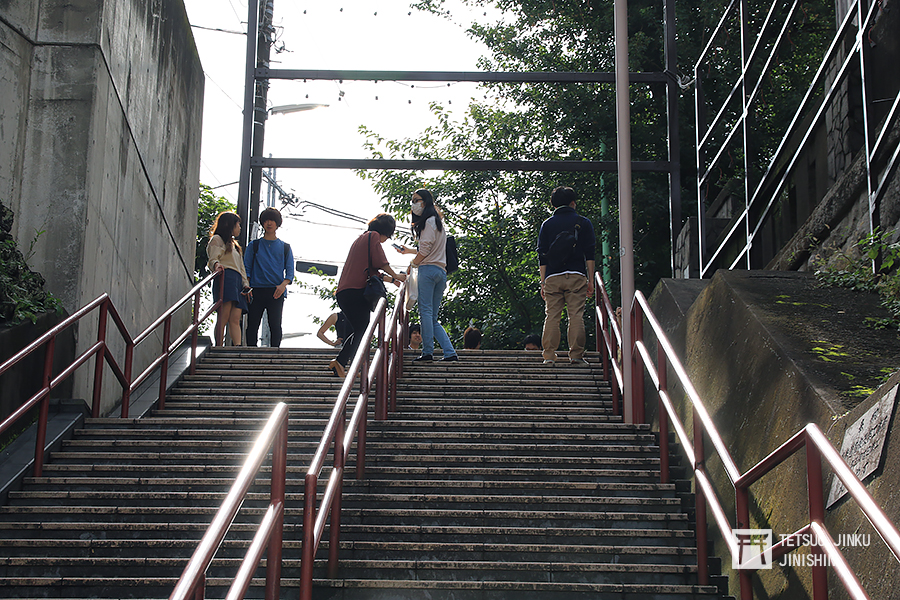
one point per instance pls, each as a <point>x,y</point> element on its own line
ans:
<point>452,254</point>
<point>563,245</point>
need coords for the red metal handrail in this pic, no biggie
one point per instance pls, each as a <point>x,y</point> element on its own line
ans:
<point>383,369</point>
<point>811,438</point>
<point>268,538</point>
<point>101,352</point>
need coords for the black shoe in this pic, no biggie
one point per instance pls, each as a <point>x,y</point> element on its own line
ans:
<point>424,358</point>
<point>453,358</point>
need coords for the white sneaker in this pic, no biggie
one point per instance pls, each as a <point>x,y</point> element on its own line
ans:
<point>549,362</point>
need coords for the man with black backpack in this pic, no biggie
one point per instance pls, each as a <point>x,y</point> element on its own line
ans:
<point>566,254</point>
<point>269,263</point>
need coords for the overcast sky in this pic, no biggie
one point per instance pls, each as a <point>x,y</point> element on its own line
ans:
<point>353,34</point>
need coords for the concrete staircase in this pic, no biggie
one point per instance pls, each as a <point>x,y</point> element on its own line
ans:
<point>498,477</point>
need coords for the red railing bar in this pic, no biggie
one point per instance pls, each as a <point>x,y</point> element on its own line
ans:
<point>727,462</point>
<point>19,412</point>
<point>719,515</point>
<point>209,544</point>
<point>148,371</point>
<point>839,563</point>
<point>111,361</point>
<point>318,460</point>
<point>380,370</point>
<point>120,324</point>
<point>277,488</point>
<point>258,546</point>
<point>334,478</point>
<point>777,456</point>
<point>82,358</point>
<point>173,309</point>
<point>52,333</point>
<point>98,361</point>
<point>882,524</point>
<point>680,431</point>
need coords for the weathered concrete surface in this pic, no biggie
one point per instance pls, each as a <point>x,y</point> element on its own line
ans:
<point>768,353</point>
<point>100,123</point>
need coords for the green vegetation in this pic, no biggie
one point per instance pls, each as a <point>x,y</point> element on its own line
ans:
<point>873,269</point>
<point>496,215</point>
<point>22,294</point>
<point>209,207</point>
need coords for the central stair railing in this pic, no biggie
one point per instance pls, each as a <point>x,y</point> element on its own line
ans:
<point>381,368</point>
<point>817,447</point>
<point>268,538</point>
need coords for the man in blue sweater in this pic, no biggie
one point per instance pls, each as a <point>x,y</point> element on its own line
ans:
<point>566,254</point>
<point>269,263</point>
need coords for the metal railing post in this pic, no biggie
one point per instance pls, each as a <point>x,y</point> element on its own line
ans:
<point>44,410</point>
<point>637,365</point>
<point>816,515</point>
<point>334,537</point>
<point>700,504</point>
<point>195,333</point>
<point>308,555</point>
<point>129,364</point>
<point>381,379</point>
<point>742,510</point>
<point>662,373</point>
<point>98,363</point>
<point>164,365</point>
<point>278,484</point>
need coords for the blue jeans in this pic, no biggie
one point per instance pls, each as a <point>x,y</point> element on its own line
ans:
<point>432,282</point>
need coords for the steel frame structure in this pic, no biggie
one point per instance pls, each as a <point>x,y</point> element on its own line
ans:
<point>760,197</point>
<point>253,161</point>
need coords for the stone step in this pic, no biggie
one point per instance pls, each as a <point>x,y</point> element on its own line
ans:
<point>347,589</point>
<point>376,444</point>
<point>350,498</point>
<point>169,548</point>
<point>498,477</point>
<point>550,571</point>
<point>414,486</point>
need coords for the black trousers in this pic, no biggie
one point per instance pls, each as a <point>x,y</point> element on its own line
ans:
<point>264,300</point>
<point>356,309</point>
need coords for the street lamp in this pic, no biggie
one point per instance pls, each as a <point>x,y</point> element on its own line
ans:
<point>291,108</point>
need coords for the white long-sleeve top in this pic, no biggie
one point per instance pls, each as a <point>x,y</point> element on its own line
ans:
<point>433,244</point>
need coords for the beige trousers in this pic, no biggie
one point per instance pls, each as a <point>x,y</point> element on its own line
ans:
<point>566,290</point>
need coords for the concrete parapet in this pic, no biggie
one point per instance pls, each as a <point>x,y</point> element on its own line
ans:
<point>769,352</point>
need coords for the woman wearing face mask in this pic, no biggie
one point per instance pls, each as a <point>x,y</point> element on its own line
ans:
<point>431,260</point>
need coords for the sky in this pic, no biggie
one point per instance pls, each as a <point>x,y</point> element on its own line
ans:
<point>334,34</point>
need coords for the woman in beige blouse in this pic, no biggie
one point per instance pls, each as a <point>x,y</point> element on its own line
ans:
<point>225,255</point>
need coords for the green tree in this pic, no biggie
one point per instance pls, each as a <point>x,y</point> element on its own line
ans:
<point>209,207</point>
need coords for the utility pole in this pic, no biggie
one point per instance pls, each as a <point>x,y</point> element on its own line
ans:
<point>626,233</point>
<point>259,21</point>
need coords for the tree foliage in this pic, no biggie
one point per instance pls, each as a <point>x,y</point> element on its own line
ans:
<point>209,207</point>
<point>497,214</point>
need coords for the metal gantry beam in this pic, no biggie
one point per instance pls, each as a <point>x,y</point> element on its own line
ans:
<point>608,166</point>
<point>252,161</point>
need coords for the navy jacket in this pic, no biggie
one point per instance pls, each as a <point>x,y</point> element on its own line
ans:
<point>564,219</point>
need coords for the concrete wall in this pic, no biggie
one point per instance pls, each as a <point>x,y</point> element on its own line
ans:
<point>100,122</point>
